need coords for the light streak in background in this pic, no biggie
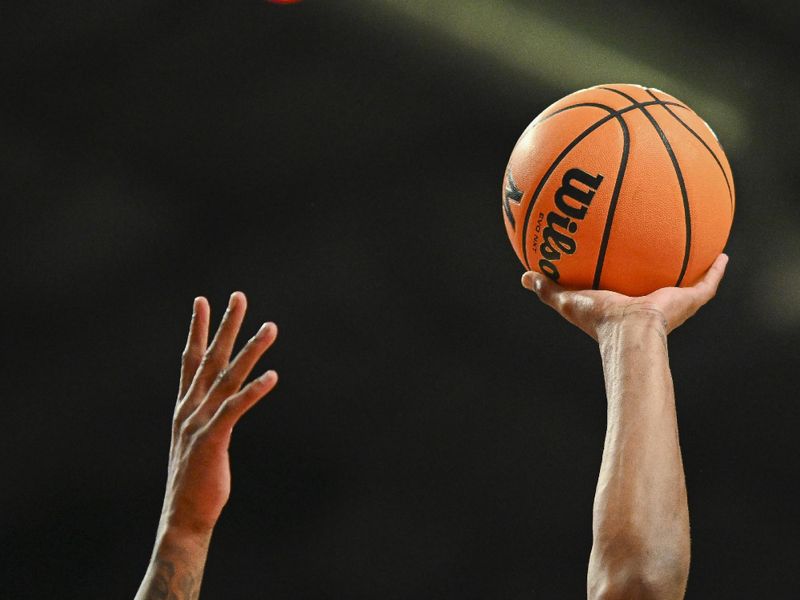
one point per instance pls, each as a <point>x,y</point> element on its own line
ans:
<point>558,56</point>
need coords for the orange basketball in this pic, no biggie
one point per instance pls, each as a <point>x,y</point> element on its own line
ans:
<point>618,187</point>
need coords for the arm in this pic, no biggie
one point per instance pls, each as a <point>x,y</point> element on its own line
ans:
<point>641,517</point>
<point>211,400</point>
<point>641,543</point>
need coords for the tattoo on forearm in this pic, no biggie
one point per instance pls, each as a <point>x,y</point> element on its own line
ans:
<point>167,587</point>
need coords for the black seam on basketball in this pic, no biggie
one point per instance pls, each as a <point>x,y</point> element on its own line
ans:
<point>686,211</point>
<point>597,105</point>
<point>681,183</point>
<point>613,204</point>
<point>535,196</point>
<point>621,93</point>
<point>702,141</point>
<point>543,180</point>
<point>650,91</point>
<point>579,105</point>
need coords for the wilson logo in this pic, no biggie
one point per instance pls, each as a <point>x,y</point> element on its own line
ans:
<point>573,203</point>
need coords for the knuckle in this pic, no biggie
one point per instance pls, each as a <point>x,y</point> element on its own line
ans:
<point>191,350</point>
<point>223,378</point>
<point>224,409</point>
<point>210,359</point>
<point>569,312</point>
<point>556,299</point>
<point>543,290</point>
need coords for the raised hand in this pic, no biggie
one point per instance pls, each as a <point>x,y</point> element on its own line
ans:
<point>592,310</point>
<point>211,400</point>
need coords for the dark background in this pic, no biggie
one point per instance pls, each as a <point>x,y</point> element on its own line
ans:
<point>436,432</point>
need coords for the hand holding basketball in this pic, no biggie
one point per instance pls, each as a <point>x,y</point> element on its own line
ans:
<point>592,310</point>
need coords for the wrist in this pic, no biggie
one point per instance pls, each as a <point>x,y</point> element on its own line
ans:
<point>186,519</point>
<point>174,538</point>
<point>632,322</point>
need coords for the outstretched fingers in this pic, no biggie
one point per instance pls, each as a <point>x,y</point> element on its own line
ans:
<point>218,354</point>
<point>233,407</point>
<point>195,344</point>
<point>214,359</point>
<point>230,380</point>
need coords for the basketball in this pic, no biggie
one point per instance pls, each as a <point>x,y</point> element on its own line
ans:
<point>618,187</point>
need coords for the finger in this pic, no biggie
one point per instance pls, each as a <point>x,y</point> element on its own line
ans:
<point>230,411</point>
<point>195,343</point>
<point>231,379</point>
<point>705,289</point>
<point>548,290</point>
<point>577,307</point>
<point>219,352</point>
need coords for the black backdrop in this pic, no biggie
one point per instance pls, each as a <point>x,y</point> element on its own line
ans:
<point>436,433</point>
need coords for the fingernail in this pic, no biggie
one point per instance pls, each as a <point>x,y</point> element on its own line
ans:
<point>262,331</point>
<point>527,280</point>
<point>267,376</point>
<point>532,281</point>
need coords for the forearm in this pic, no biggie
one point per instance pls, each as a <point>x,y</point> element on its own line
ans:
<point>641,518</point>
<point>176,568</point>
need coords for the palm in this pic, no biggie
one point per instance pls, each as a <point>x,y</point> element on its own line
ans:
<point>589,309</point>
<point>199,479</point>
